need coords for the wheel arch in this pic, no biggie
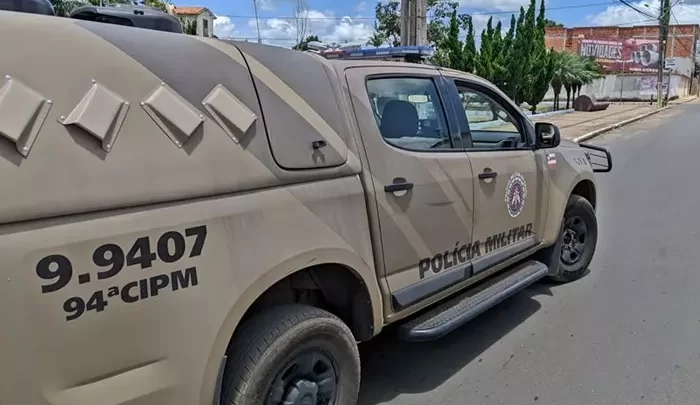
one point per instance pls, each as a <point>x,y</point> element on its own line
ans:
<point>325,266</point>
<point>580,183</point>
<point>583,186</point>
<point>586,189</point>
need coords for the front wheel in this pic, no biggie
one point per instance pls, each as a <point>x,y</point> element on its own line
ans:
<point>578,239</point>
<point>292,355</point>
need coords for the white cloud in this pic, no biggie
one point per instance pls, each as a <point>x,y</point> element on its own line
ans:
<point>362,6</point>
<point>350,32</point>
<point>279,31</point>
<point>267,5</point>
<point>683,13</point>
<point>496,5</point>
<point>224,28</point>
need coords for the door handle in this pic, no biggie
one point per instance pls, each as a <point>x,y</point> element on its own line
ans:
<point>390,188</point>
<point>487,174</point>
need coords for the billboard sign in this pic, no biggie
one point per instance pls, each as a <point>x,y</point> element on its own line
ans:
<point>629,55</point>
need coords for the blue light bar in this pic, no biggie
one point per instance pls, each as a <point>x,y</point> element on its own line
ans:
<point>390,52</point>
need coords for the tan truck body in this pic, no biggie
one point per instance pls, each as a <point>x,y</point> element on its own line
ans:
<point>158,188</point>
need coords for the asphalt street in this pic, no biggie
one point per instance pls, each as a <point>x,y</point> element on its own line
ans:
<point>627,333</point>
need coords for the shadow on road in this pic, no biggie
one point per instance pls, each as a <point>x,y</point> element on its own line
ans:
<point>391,367</point>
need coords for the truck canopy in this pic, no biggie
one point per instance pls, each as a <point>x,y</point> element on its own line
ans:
<point>28,6</point>
<point>98,116</point>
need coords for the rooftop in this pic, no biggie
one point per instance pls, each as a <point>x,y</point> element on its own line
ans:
<point>190,10</point>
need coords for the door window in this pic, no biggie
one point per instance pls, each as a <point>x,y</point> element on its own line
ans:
<point>491,126</point>
<point>409,113</point>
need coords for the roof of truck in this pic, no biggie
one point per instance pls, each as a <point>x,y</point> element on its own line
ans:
<point>345,64</point>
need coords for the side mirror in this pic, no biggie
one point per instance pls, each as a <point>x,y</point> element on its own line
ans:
<point>547,135</point>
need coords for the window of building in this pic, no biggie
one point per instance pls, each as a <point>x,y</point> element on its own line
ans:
<point>205,27</point>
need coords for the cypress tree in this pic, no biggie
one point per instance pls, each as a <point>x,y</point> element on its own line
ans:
<point>486,59</point>
<point>469,47</point>
<point>452,45</point>
<point>542,64</point>
<point>518,63</point>
<point>503,78</point>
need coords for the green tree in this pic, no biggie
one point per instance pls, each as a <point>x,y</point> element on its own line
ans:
<point>486,59</point>
<point>63,8</point>
<point>562,62</point>
<point>452,46</point>
<point>469,48</point>
<point>157,4</point>
<point>542,64</point>
<point>503,75</point>
<point>377,39</point>
<point>304,45</point>
<point>552,24</point>
<point>590,70</point>
<point>441,13</point>
<point>189,27</point>
<point>519,62</point>
<point>387,23</point>
<point>571,72</point>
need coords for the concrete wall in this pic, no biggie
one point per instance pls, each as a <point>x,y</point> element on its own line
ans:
<point>200,23</point>
<point>681,46</point>
<point>634,88</point>
<point>681,38</point>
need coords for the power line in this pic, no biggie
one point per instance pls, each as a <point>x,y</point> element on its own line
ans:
<point>374,18</point>
<point>636,9</point>
<point>674,34</point>
<point>290,39</point>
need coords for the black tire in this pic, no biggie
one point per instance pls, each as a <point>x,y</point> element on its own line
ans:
<point>264,346</point>
<point>579,214</point>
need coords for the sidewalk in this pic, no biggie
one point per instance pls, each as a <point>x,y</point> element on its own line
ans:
<point>576,124</point>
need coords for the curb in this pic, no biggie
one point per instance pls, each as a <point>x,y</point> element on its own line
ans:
<point>686,100</point>
<point>603,130</point>
<point>492,124</point>
<point>550,113</point>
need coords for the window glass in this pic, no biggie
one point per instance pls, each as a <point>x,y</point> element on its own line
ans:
<point>490,124</point>
<point>409,113</point>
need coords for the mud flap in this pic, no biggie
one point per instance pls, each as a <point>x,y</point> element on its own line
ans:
<point>550,256</point>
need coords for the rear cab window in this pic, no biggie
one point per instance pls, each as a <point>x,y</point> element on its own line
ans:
<point>409,113</point>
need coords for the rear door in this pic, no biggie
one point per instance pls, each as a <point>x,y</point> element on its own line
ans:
<point>420,176</point>
<point>507,177</point>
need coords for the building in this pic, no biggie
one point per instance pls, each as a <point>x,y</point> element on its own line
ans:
<point>201,16</point>
<point>630,57</point>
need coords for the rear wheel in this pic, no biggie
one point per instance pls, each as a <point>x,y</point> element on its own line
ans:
<point>578,239</point>
<point>292,355</point>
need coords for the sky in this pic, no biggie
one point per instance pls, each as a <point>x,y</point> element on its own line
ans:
<point>351,21</point>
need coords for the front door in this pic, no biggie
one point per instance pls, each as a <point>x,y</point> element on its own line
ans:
<point>506,194</point>
<point>421,180</point>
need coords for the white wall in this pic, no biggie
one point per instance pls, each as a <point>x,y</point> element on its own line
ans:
<point>634,87</point>
<point>200,23</point>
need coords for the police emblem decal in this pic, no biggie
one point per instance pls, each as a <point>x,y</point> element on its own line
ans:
<point>516,192</point>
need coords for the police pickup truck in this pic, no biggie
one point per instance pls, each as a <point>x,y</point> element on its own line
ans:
<point>187,220</point>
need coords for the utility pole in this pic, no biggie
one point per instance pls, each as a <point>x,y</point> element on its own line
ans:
<point>664,19</point>
<point>257,20</point>
<point>413,26</point>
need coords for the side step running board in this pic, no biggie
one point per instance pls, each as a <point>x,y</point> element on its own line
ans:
<point>461,309</point>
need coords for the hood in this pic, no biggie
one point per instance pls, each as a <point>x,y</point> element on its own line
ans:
<point>568,143</point>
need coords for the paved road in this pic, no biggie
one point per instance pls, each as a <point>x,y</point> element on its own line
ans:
<point>627,333</point>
